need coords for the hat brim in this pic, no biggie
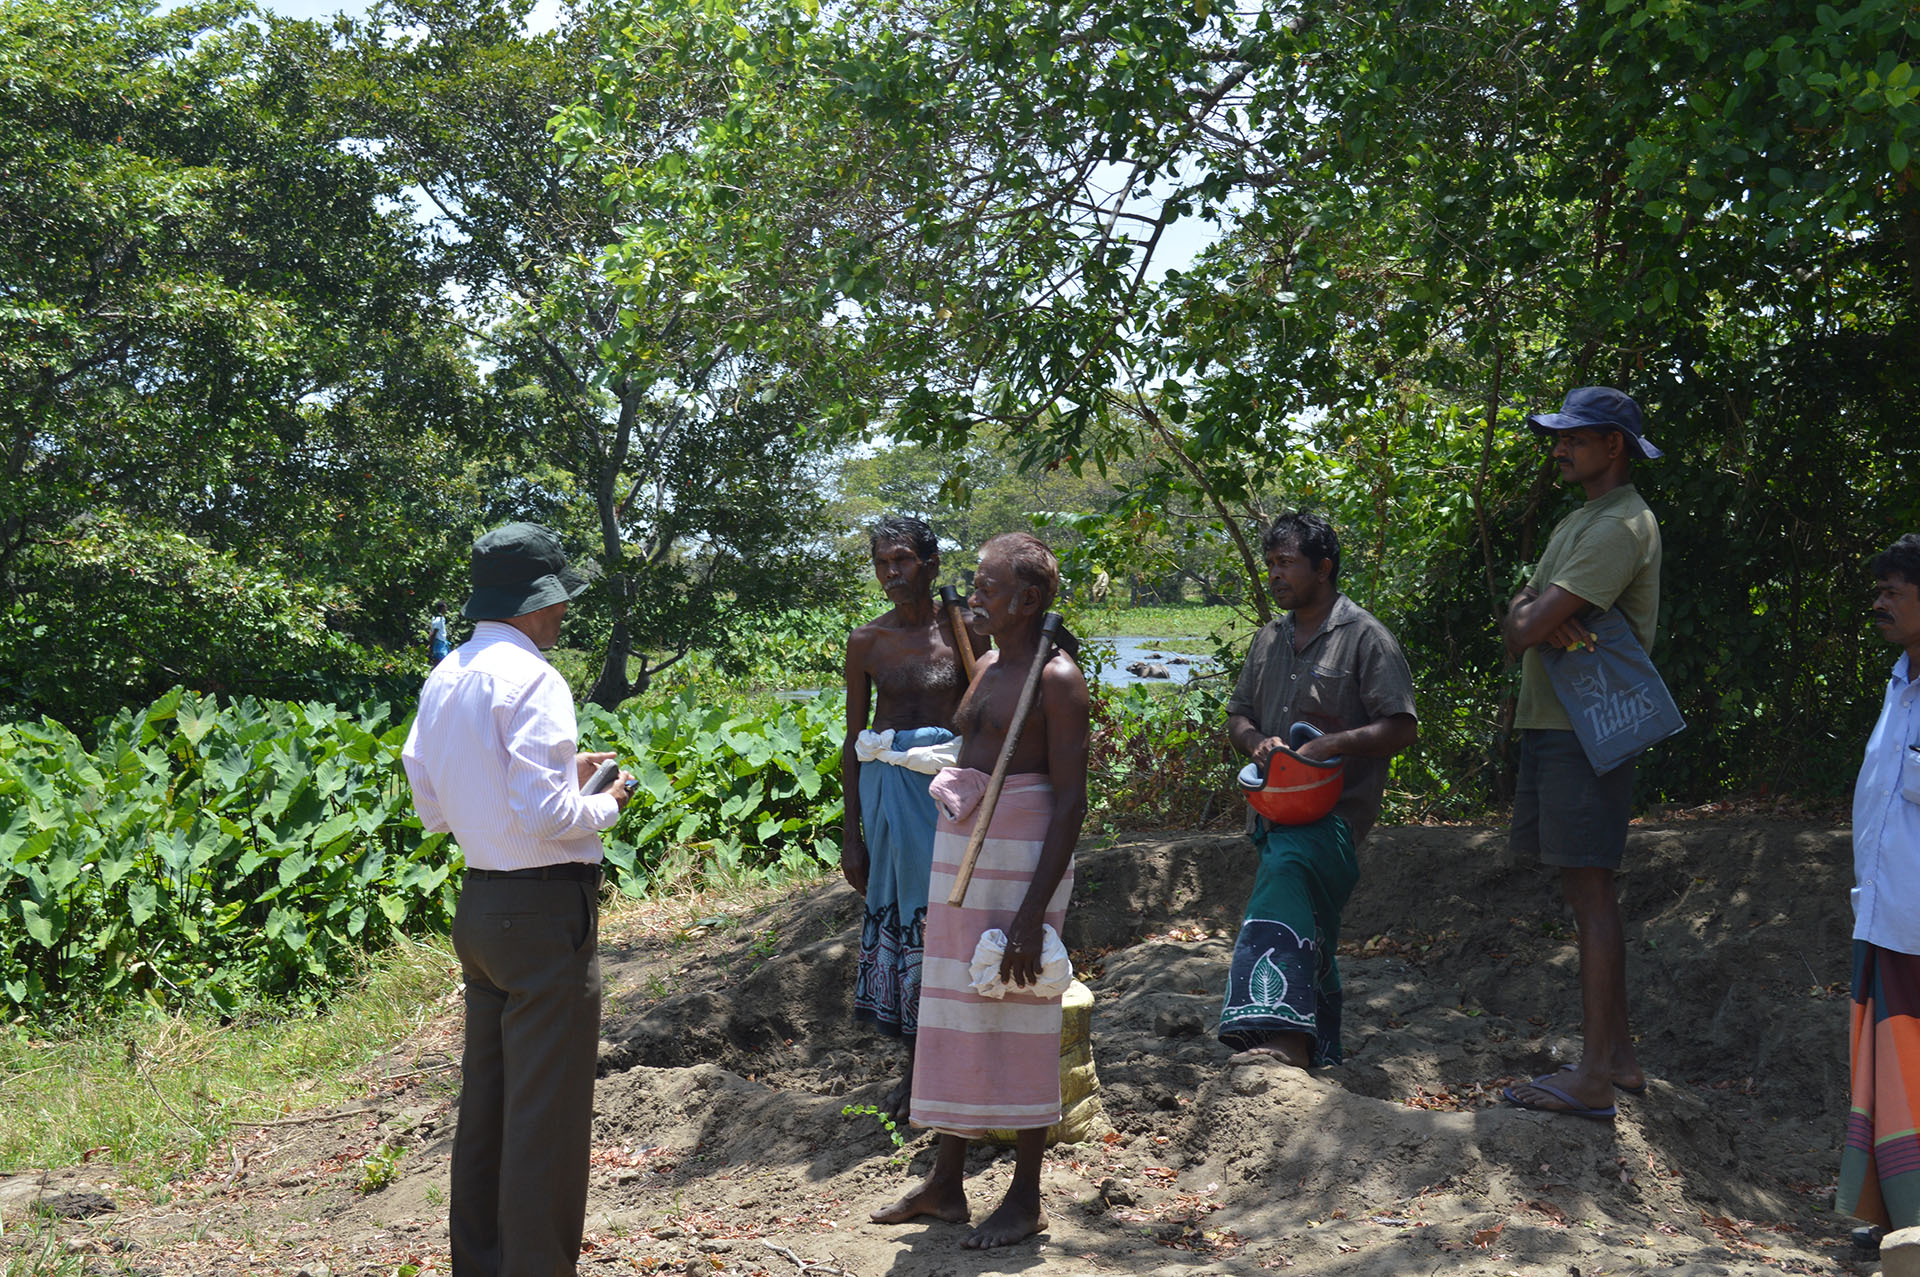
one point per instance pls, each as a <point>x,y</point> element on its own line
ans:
<point>504,602</point>
<point>1545,423</point>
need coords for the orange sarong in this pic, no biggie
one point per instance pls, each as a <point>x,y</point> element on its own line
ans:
<point>1880,1164</point>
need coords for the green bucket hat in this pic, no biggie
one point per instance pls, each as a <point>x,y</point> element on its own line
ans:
<point>517,569</point>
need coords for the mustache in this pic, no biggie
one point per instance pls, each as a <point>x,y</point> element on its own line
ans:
<point>1879,615</point>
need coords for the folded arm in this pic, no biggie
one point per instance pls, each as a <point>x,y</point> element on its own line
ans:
<point>1550,616</point>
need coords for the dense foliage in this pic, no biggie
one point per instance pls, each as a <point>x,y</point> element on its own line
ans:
<point>1423,221</point>
<point>206,854</point>
<point>724,793</point>
<point>228,854</point>
<point>218,371</point>
<point>1159,758</point>
<point>696,483</point>
<point>290,313</point>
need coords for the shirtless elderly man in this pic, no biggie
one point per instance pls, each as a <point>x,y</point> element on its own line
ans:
<point>992,1057</point>
<point>903,673</point>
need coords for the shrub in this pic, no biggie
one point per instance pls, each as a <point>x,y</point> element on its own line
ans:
<point>746,793</point>
<point>220,856</point>
<point>209,854</point>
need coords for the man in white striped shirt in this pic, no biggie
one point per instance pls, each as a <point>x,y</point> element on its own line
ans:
<point>492,758</point>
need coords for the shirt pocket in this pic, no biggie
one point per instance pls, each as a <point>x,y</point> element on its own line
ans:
<point>1910,775</point>
<point>1326,694</point>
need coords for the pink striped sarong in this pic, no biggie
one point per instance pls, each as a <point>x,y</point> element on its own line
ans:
<point>987,1063</point>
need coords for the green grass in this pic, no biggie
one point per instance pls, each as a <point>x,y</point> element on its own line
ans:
<point>41,1256</point>
<point>157,1092</point>
<point>1182,621</point>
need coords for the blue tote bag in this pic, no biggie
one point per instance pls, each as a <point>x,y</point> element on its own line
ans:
<point>1613,694</point>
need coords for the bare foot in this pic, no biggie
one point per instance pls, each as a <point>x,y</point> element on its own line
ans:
<point>942,1201</point>
<point>1011,1223</point>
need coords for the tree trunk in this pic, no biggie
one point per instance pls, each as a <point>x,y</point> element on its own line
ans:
<point>613,686</point>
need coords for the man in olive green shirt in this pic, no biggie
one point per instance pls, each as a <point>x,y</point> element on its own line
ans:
<point>1604,555</point>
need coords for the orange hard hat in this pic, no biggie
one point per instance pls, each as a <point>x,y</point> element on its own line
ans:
<point>1294,790</point>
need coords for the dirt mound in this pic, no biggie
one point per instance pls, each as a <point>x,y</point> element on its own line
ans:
<point>728,1057</point>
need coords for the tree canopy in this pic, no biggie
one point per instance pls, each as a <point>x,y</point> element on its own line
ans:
<point>1429,220</point>
<point>695,478</point>
<point>289,313</point>
<point>213,341</point>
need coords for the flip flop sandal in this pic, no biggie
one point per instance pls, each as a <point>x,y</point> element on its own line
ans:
<point>1574,1108</point>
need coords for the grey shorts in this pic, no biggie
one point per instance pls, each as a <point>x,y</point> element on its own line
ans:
<point>1562,812</point>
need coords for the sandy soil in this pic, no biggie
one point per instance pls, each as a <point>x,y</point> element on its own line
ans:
<point>720,1145</point>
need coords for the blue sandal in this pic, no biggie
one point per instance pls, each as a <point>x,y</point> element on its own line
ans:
<point>1573,1107</point>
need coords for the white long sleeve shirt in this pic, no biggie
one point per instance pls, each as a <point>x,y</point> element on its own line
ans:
<point>491,757</point>
<point>1886,822</point>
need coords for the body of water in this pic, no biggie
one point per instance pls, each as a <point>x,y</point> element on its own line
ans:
<point>1151,651</point>
<point>1128,648</point>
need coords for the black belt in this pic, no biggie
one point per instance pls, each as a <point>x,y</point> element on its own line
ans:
<point>567,871</point>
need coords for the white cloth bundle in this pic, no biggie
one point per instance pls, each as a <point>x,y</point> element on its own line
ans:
<point>1056,968</point>
<point>877,747</point>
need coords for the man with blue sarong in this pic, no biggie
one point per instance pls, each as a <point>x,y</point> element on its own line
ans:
<point>1329,663</point>
<point>903,686</point>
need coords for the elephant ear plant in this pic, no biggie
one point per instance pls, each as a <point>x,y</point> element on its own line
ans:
<point>747,793</point>
<point>219,856</point>
<point>207,855</point>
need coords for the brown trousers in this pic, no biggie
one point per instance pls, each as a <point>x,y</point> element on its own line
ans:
<point>529,953</point>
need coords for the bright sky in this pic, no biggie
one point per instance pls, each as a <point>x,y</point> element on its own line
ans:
<point>318,10</point>
<point>1178,246</point>
<point>544,14</point>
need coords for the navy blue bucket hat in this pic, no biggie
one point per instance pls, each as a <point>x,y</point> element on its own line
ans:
<point>1596,408</point>
<point>517,569</point>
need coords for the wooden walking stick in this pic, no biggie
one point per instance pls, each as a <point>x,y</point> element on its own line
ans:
<point>962,638</point>
<point>1053,632</point>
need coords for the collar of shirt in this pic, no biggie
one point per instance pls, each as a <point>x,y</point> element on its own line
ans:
<point>501,632</point>
<point>1343,611</point>
<point>1611,497</point>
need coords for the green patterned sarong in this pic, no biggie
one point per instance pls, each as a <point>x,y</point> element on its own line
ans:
<point>1284,977</point>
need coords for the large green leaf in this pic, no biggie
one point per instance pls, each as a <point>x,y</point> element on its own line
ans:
<point>143,901</point>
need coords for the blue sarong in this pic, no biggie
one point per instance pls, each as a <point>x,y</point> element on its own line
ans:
<point>897,817</point>
<point>1284,977</point>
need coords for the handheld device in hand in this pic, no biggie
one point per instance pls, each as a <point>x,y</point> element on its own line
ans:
<point>604,776</point>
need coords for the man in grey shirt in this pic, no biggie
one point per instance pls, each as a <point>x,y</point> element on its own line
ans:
<point>1327,662</point>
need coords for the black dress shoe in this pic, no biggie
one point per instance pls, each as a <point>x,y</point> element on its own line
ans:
<point>1866,1240</point>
